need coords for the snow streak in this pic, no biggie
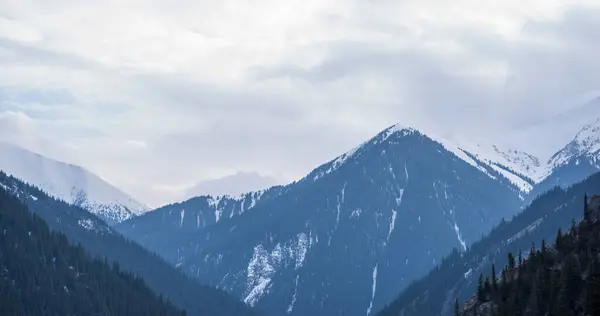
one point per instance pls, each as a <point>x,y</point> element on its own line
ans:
<point>374,288</point>
<point>291,307</point>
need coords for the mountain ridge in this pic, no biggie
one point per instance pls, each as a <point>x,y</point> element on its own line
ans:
<point>70,183</point>
<point>353,210</point>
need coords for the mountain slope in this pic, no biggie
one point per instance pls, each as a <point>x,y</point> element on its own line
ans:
<point>155,229</point>
<point>352,234</point>
<point>562,279</point>
<point>101,240</point>
<point>69,183</point>
<point>41,274</point>
<point>456,277</point>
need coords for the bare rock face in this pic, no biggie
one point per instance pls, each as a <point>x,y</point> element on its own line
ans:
<point>473,307</point>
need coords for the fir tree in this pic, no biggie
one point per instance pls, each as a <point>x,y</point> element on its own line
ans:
<point>480,290</point>
<point>494,278</point>
<point>511,261</point>
<point>586,210</point>
<point>456,308</point>
<point>487,287</point>
<point>592,290</point>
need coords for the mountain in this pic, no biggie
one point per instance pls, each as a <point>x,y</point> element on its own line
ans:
<point>102,241</point>
<point>572,163</point>
<point>233,185</point>
<point>457,275</point>
<point>347,238</point>
<point>69,183</point>
<point>577,160</point>
<point>41,274</point>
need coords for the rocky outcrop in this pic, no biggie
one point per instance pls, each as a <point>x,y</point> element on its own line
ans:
<point>474,307</point>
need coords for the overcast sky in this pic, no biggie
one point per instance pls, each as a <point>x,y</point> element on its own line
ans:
<point>157,95</point>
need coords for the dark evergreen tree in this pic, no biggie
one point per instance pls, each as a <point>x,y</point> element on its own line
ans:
<point>480,291</point>
<point>456,308</point>
<point>494,278</point>
<point>558,242</point>
<point>511,261</point>
<point>487,287</point>
<point>592,290</point>
<point>586,210</point>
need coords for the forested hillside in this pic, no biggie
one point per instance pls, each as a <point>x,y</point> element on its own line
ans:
<point>560,280</point>
<point>100,240</point>
<point>457,275</point>
<point>41,274</point>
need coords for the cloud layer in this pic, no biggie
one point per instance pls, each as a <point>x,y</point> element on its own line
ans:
<point>155,96</point>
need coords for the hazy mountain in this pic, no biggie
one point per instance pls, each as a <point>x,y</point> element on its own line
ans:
<point>69,183</point>
<point>233,185</point>
<point>348,237</point>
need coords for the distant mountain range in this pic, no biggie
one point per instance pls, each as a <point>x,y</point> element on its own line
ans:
<point>345,239</point>
<point>356,231</point>
<point>70,183</point>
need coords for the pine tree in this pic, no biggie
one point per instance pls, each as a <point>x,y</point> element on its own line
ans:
<point>494,278</point>
<point>456,308</point>
<point>511,261</point>
<point>586,208</point>
<point>592,290</point>
<point>520,258</point>
<point>487,287</point>
<point>480,293</point>
<point>558,242</point>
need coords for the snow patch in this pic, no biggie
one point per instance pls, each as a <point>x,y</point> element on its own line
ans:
<point>264,264</point>
<point>182,216</point>
<point>527,230</point>
<point>87,224</point>
<point>259,274</point>
<point>301,249</point>
<point>458,235</point>
<point>468,273</point>
<point>214,202</point>
<point>392,224</point>
<point>519,182</point>
<point>356,213</point>
<point>291,306</point>
<point>373,289</point>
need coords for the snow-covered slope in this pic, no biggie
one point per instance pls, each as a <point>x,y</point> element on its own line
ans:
<point>70,183</point>
<point>576,161</point>
<point>586,145</point>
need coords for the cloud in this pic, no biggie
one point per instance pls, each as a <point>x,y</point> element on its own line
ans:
<point>154,95</point>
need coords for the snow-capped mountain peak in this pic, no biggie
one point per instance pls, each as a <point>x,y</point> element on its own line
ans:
<point>70,183</point>
<point>586,143</point>
<point>519,167</point>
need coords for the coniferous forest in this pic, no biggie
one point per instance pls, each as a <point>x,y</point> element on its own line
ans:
<point>41,274</point>
<point>106,244</point>
<point>558,280</point>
